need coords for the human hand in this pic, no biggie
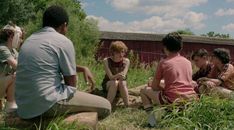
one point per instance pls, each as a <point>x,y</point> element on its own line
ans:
<point>210,83</point>
<point>90,88</point>
<point>200,80</point>
<point>120,76</point>
<point>88,76</point>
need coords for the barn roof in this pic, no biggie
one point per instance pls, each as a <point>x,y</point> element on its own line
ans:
<point>158,37</point>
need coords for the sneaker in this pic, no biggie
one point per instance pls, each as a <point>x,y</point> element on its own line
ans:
<point>152,120</point>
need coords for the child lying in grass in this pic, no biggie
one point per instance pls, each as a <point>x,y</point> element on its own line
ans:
<point>221,78</point>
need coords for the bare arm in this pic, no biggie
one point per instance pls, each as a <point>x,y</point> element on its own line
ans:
<point>156,81</point>
<point>210,81</point>
<point>70,80</point>
<point>156,85</point>
<point>125,71</point>
<point>107,69</point>
<point>215,81</point>
<point>88,76</point>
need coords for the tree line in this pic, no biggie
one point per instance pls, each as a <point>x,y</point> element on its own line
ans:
<point>28,14</point>
<point>209,34</point>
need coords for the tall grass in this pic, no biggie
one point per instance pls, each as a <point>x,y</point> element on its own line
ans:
<point>209,113</point>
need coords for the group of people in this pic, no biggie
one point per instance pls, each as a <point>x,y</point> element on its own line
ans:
<point>175,83</point>
<point>216,73</point>
<point>42,79</point>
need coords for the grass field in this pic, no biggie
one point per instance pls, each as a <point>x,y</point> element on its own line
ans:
<point>210,113</point>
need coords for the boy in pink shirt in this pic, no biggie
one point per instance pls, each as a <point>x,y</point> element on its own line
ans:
<point>176,71</point>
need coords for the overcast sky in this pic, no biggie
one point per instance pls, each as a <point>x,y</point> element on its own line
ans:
<point>162,16</point>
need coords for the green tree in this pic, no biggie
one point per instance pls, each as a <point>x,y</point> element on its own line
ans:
<point>18,11</point>
<point>83,32</point>
<point>216,35</point>
<point>186,31</point>
<point>89,37</point>
<point>39,5</point>
<point>28,13</point>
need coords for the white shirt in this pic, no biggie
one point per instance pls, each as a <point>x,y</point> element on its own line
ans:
<point>45,57</point>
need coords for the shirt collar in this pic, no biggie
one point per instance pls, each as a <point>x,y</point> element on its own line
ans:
<point>173,55</point>
<point>48,29</point>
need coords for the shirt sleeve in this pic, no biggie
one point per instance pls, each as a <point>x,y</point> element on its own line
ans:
<point>226,73</point>
<point>67,59</point>
<point>5,54</point>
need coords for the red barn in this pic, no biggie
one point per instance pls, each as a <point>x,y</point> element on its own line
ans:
<point>149,47</point>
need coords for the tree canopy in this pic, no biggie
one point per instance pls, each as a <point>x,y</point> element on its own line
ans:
<point>18,11</point>
<point>186,31</point>
<point>28,14</point>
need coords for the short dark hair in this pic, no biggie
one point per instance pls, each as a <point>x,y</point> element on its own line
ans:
<point>200,53</point>
<point>54,16</point>
<point>222,54</point>
<point>173,42</point>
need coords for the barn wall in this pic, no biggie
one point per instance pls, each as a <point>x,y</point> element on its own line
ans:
<point>149,51</point>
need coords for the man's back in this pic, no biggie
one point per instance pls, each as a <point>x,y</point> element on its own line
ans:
<point>43,59</point>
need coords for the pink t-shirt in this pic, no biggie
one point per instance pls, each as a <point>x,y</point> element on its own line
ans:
<point>176,71</point>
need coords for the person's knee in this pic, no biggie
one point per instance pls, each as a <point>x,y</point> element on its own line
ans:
<point>122,83</point>
<point>113,84</point>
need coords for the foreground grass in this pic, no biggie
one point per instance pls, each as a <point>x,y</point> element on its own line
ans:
<point>210,113</point>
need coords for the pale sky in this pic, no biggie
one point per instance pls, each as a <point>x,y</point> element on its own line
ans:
<point>162,16</point>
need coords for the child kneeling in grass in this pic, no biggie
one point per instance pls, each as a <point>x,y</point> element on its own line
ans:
<point>176,71</point>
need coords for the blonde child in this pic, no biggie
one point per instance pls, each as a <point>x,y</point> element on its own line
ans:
<point>10,39</point>
<point>116,68</point>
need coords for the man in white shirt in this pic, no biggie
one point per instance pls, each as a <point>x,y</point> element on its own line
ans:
<point>46,59</point>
